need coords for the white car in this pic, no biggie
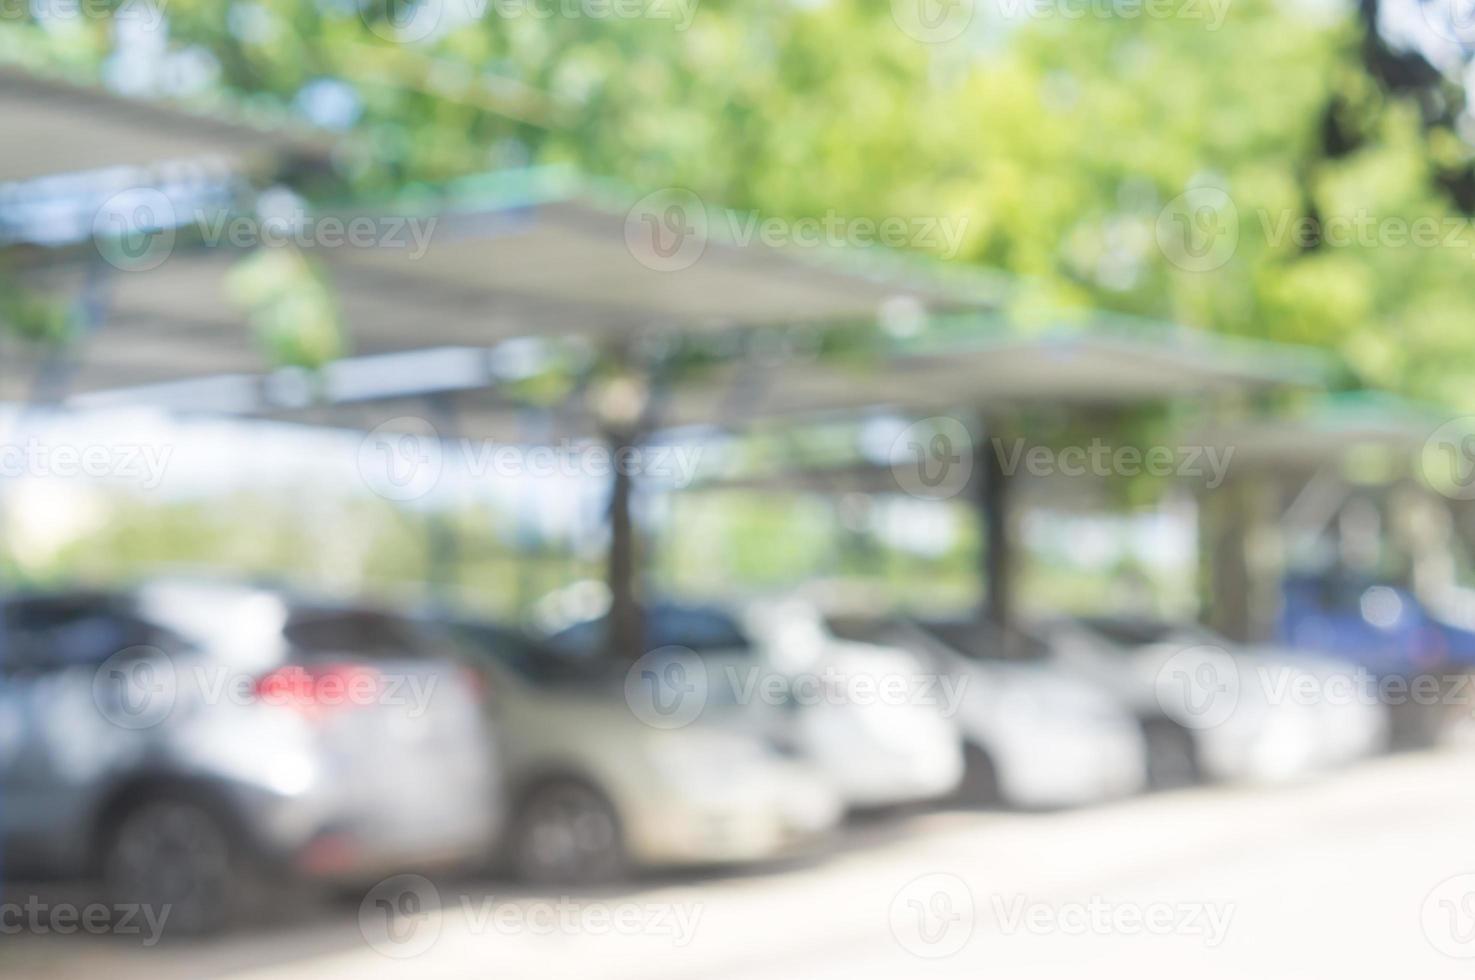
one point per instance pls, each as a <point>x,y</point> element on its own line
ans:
<point>865,713</point>
<point>858,713</point>
<point>1214,710</point>
<point>596,790</point>
<point>1034,736</point>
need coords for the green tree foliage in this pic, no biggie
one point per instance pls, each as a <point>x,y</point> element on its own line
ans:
<point>1321,189</point>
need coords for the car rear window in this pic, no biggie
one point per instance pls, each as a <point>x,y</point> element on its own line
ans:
<point>360,632</point>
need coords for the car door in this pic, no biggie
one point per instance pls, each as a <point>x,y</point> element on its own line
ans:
<point>60,736</point>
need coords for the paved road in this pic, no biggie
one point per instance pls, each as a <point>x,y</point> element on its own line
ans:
<point>1341,877</point>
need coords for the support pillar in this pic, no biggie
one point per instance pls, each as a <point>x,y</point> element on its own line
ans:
<point>625,637</point>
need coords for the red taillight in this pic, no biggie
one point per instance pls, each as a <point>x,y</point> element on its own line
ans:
<point>319,687</point>
<point>478,684</point>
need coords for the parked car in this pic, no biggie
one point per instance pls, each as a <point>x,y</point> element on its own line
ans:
<point>1212,709</point>
<point>595,790</point>
<point>1394,635</point>
<point>1034,734</point>
<point>190,742</point>
<point>853,710</point>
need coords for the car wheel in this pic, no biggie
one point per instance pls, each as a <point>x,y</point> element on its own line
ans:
<point>1172,759</point>
<point>175,854</point>
<point>980,786</point>
<point>565,832</point>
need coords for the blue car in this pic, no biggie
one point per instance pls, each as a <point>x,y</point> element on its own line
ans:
<point>1386,629</point>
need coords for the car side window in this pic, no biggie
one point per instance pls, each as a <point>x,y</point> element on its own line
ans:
<point>698,630</point>
<point>54,635</point>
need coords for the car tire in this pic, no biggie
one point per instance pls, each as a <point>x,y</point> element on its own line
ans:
<point>565,831</point>
<point>176,853</point>
<point>1172,756</point>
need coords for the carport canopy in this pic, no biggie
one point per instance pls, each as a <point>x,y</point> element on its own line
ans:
<point>52,127</point>
<point>535,253</point>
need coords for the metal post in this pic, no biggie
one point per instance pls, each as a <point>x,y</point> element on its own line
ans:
<point>442,546</point>
<point>992,490</point>
<point>626,634</point>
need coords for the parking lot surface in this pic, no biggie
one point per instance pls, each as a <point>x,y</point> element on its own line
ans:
<point>1354,875</point>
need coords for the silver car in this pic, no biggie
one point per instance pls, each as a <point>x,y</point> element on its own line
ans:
<point>193,743</point>
<point>596,790</point>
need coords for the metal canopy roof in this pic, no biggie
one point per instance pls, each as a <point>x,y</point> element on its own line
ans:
<point>1329,430</point>
<point>55,127</point>
<point>1074,368</point>
<point>541,256</point>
